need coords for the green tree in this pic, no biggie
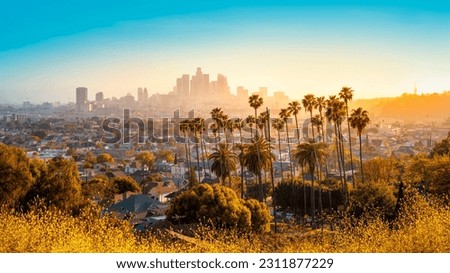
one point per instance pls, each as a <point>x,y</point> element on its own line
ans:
<point>373,195</point>
<point>219,207</point>
<point>346,94</point>
<point>309,102</point>
<point>311,154</point>
<point>105,157</point>
<point>359,121</point>
<point>59,185</point>
<point>15,175</point>
<point>224,162</point>
<point>124,184</point>
<point>146,158</point>
<point>257,158</point>
<point>90,160</point>
<point>294,108</point>
<point>442,148</point>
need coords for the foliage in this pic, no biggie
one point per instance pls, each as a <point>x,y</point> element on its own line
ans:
<point>218,206</point>
<point>146,158</point>
<point>15,175</point>
<point>124,184</point>
<point>224,162</point>
<point>290,196</point>
<point>166,155</point>
<point>442,148</point>
<point>105,157</point>
<point>431,173</point>
<point>422,227</point>
<point>90,160</point>
<point>57,184</point>
<point>373,195</point>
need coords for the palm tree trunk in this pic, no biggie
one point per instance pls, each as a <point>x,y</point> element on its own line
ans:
<point>202,148</point>
<point>296,126</point>
<point>281,161</point>
<point>341,144</point>
<point>313,199</point>
<point>242,179</point>
<point>304,191</point>
<point>312,127</point>
<point>261,193</point>
<point>350,144</point>
<point>198,157</point>
<point>289,151</point>
<point>360,158</point>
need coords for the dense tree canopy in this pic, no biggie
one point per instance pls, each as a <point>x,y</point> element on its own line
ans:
<point>15,175</point>
<point>219,206</point>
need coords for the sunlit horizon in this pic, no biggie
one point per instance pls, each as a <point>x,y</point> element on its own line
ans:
<point>380,50</point>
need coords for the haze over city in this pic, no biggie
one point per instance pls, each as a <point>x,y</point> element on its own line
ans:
<point>379,48</point>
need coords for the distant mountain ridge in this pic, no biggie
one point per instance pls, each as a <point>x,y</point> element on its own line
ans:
<point>408,107</point>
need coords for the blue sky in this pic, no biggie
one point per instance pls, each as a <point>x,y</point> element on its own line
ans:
<point>380,48</point>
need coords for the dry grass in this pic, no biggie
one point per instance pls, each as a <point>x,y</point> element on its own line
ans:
<point>423,227</point>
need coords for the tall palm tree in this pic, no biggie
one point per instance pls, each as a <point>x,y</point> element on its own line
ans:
<point>255,102</point>
<point>321,104</point>
<point>239,124</point>
<point>262,122</point>
<point>311,154</point>
<point>214,128</point>
<point>229,127</point>
<point>284,115</point>
<point>334,113</point>
<point>294,108</point>
<point>184,128</point>
<point>346,94</point>
<point>194,128</point>
<point>242,149</point>
<point>359,120</point>
<point>216,115</point>
<point>250,120</point>
<point>257,158</point>
<point>224,162</point>
<point>317,121</point>
<point>278,124</point>
<point>309,102</point>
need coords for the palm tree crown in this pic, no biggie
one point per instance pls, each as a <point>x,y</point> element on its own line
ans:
<point>224,161</point>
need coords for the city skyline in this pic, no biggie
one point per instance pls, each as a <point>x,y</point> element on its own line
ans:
<point>380,49</point>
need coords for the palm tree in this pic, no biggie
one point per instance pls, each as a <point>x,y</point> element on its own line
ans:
<point>317,121</point>
<point>334,113</point>
<point>278,124</point>
<point>261,123</point>
<point>250,120</point>
<point>224,162</point>
<point>284,115</point>
<point>184,128</point>
<point>308,103</point>
<point>242,149</point>
<point>239,124</point>
<point>258,157</point>
<point>311,154</point>
<point>214,128</point>
<point>321,104</point>
<point>359,120</point>
<point>294,108</point>
<point>346,94</point>
<point>255,102</point>
<point>216,115</point>
<point>229,127</point>
<point>194,127</point>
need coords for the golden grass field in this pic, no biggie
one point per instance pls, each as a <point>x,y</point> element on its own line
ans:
<point>424,226</point>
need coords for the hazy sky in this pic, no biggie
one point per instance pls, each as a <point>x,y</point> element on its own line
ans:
<point>380,48</point>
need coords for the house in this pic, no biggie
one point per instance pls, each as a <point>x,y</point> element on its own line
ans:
<point>160,190</point>
<point>138,206</point>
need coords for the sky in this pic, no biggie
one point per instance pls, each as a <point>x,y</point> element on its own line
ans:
<point>379,48</point>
